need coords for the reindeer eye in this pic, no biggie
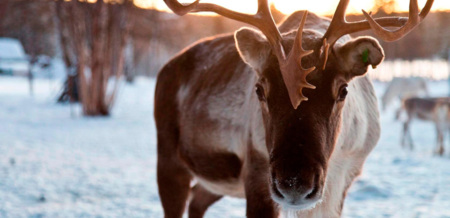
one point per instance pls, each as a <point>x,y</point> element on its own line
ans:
<point>260,92</point>
<point>343,91</point>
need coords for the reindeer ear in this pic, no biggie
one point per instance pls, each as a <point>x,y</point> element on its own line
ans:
<point>359,53</point>
<point>253,48</point>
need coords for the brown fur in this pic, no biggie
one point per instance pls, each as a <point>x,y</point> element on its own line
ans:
<point>213,166</point>
<point>259,203</point>
<point>201,200</point>
<point>170,170</point>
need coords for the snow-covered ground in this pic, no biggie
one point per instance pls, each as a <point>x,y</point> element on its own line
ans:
<point>56,163</point>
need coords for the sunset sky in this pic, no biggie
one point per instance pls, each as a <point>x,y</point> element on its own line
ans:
<point>322,7</point>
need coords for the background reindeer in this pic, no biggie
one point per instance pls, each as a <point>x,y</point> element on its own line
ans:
<point>436,110</point>
<point>233,112</point>
<point>401,88</point>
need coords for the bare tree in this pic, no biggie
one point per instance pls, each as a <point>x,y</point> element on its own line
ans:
<point>99,33</point>
<point>70,88</point>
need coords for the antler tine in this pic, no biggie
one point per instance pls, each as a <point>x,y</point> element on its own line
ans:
<point>335,30</point>
<point>414,19</point>
<point>339,26</point>
<point>179,8</point>
<point>262,19</point>
<point>296,82</point>
<point>426,9</point>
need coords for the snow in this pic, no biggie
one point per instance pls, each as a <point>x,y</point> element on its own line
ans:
<point>56,163</point>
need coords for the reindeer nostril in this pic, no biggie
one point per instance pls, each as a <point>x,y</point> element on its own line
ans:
<point>276,190</point>
<point>315,189</point>
<point>312,192</point>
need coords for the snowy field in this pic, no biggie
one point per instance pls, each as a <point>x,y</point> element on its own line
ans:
<point>56,163</point>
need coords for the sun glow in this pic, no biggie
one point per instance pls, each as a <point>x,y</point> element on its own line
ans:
<point>322,7</point>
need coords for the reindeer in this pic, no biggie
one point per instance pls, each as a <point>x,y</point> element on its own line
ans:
<point>436,110</point>
<point>403,88</point>
<point>284,117</point>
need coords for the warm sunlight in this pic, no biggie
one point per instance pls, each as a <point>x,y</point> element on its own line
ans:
<point>322,7</point>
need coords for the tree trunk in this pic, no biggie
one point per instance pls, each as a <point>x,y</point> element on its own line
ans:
<point>99,33</point>
<point>70,87</point>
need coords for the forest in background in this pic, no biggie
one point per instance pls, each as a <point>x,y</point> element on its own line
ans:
<point>155,36</point>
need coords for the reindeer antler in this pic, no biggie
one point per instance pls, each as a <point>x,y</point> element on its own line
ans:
<point>294,76</point>
<point>262,19</point>
<point>296,82</point>
<point>414,20</point>
<point>339,26</point>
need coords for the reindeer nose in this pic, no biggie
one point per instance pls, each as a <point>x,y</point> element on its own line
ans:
<point>292,188</point>
<point>297,191</point>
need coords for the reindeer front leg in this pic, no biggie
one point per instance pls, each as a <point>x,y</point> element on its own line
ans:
<point>440,137</point>
<point>259,202</point>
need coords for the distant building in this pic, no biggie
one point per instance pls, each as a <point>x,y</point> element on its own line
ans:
<point>13,60</point>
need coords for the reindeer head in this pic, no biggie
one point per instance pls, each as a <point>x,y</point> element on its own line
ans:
<point>302,107</point>
<point>300,140</point>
